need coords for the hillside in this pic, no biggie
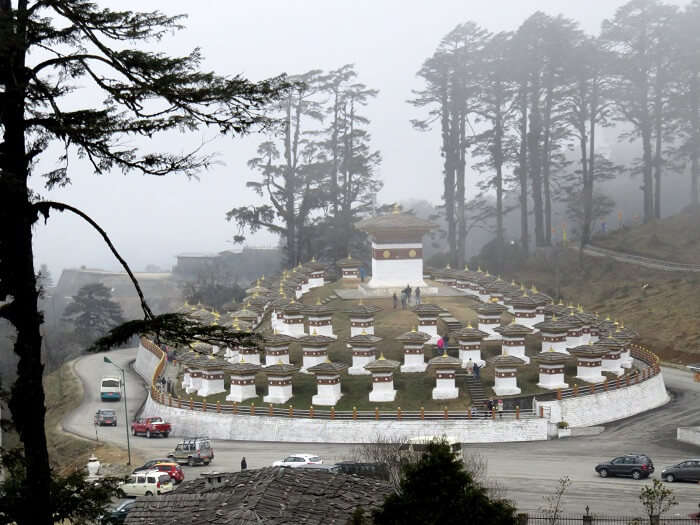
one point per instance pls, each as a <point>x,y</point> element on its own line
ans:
<point>675,238</point>
<point>664,307</point>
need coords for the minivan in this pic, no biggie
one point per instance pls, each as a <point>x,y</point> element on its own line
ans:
<point>149,483</point>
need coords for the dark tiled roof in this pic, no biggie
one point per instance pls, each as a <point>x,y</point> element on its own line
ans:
<point>507,361</point>
<point>551,358</point>
<point>364,340</point>
<point>382,365</point>
<point>394,221</point>
<point>328,367</point>
<point>444,361</point>
<point>362,309</point>
<point>277,339</point>
<point>413,337</point>
<point>427,308</point>
<point>491,309</point>
<point>513,330</point>
<point>315,340</point>
<point>591,351</point>
<point>470,333</point>
<point>270,496</point>
<point>280,369</point>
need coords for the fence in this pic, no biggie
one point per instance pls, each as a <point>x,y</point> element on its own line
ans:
<point>651,369</point>
<point>591,519</point>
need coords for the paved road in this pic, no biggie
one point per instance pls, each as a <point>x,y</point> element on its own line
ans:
<point>647,262</point>
<point>527,471</point>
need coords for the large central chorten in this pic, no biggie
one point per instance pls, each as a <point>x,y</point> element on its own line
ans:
<point>397,249</point>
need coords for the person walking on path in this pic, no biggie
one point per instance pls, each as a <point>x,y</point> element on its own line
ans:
<point>396,301</point>
<point>244,464</point>
<point>417,294</point>
<point>441,345</point>
<point>470,366</point>
<point>477,370</point>
<point>403,300</point>
<point>489,406</point>
<point>408,293</point>
<point>499,408</point>
<point>362,274</point>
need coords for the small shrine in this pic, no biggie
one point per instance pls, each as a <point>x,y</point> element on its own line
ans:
<point>428,314</point>
<point>469,340</point>
<point>513,339</point>
<point>279,382</point>
<point>397,249</point>
<point>574,335</point>
<point>349,268</point>
<point>413,351</point>
<point>525,311</point>
<point>293,319</point>
<point>249,352</point>
<point>552,369</point>
<point>612,359</point>
<point>212,376</point>
<point>327,382</point>
<point>505,375</point>
<point>242,385</point>
<point>361,318</point>
<point>277,348</point>
<point>364,350</point>
<point>489,317</point>
<point>320,318</point>
<point>554,332</point>
<point>589,359</point>
<point>317,273</point>
<point>314,349</point>
<point>445,367</point>
<point>382,379</point>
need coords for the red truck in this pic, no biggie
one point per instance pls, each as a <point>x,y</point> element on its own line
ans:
<point>150,426</point>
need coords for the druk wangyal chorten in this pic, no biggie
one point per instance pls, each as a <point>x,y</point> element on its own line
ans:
<point>397,249</point>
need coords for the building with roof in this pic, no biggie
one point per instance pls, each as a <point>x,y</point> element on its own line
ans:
<point>397,249</point>
<point>270,496</point>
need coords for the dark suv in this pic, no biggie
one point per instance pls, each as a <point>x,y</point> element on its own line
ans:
<point>635,465</point>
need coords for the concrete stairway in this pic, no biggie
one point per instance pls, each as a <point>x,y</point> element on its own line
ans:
<point>476,391</point>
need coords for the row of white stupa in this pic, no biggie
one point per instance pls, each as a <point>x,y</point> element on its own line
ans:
<point>559,336</point>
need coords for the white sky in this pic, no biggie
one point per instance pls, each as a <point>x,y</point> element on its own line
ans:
<point>152,219</point>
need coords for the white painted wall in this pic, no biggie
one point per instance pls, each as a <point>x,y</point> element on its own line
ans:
<point>585,411</point>
<point>263,428</point>
<point>688,435</point>
<point>145,364</point>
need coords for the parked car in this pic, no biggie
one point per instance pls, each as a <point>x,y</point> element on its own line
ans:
<point>146,483</point>
<point>173,470</point>
<point>688,470</point>
<point>150,426</point>
<point>117,515</point>
<point>150,465</point>
<point>297,460</point>
<point>110,389</point>
<point>364,470</point>
<point>193,451</point>
<point>106,417</point>
<point>635,465</point>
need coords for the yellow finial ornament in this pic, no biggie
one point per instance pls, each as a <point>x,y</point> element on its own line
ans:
<point>397,209</point>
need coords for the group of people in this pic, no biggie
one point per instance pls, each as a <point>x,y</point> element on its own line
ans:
<point>406,294</point>
<point>473,368</point>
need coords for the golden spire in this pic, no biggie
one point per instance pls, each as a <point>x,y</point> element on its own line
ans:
<point>397,209</point>
<point>381,357</point>
<point>551,349</point>
<point>444,354</point>
<point>364,332</point>
<point>313,259</point>
<point>533,289</point>
<point>466,268</point>
<point>318,301</point>
<point>554,317</point>
<point>448,267</point>
<point>478,269</point>
<point>314,332</point>
<point>560,303</point>
<point>414,329</point>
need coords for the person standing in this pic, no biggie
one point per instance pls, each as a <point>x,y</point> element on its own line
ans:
<point>489,406</point>
<point>499,408</point>
<point>244,464</point>
<point>470,366</point>
<point>408,294</point>
<point>362,274</point>
<point>417,294</point>
<point>441,345</point>
<point>396,301</point>
<point>403,300</point>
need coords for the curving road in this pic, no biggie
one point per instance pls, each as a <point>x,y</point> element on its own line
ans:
<point>527,471</point>
<point>646,262</point>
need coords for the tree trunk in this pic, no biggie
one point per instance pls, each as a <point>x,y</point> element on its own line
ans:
<point>535,164</point>
<point>658,132</point>
<point>450,146</point>
<point>18,281</point>
<point>461,194</point>
<point>498,163</point>
<point>546,161</point>
<point>647,158</point>
<point>695,138</point>
<point>522,171</point>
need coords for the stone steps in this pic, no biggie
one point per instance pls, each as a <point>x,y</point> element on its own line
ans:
<point>476,390</point>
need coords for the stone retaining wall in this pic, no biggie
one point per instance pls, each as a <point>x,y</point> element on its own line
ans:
<point>265,428</point>
<point>688,435</point>
<point>604,407</point>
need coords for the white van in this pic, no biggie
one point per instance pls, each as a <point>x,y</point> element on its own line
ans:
<point>149,483</point>
<point>111,388</point>
<point>420,443</point>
